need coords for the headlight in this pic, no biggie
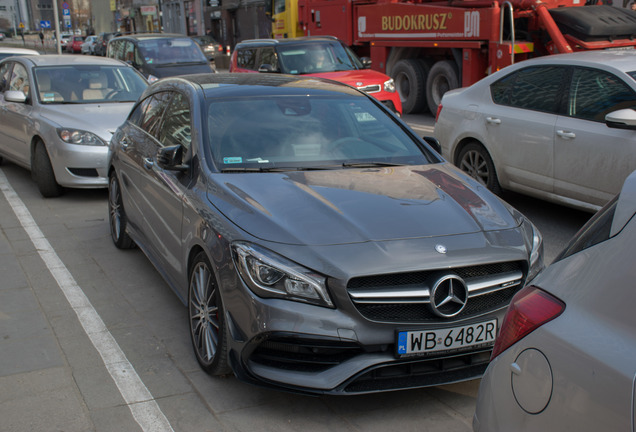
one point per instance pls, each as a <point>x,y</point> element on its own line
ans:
<point>271,276</point>
<point>152,78</point>
<point>80,137</point>
<point>389,86</point>
<point>536,254</point>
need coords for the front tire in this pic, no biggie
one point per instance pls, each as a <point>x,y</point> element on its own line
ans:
<point>43,173</point>
<point>117,216</point>
<point>476,162</point>
<point>207,318</point>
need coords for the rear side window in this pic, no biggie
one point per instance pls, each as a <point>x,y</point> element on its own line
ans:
<point>246,58</point>
<point>533,88</point>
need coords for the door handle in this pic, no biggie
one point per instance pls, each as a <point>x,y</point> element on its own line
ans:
<point>493,120</point>
<point>149,163</point>
<point>566,135</point>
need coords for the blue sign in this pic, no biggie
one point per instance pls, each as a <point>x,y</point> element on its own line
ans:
<point>66,11</point>
<point>45,24</point>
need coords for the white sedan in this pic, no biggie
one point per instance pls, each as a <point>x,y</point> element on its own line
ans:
<point>538,127</point>
<point>88,47</point>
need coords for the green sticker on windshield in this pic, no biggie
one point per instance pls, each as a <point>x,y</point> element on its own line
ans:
<point>232,160</point>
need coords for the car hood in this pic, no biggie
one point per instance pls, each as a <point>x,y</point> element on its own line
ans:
<point>358,205</point>
<point>101,119</point>
<point>354,78</point>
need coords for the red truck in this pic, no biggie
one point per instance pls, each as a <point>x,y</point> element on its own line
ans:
<point>429,47</point>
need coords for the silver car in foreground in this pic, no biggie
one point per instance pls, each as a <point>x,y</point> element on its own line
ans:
<point>319,245</point>
<point>538,127</point>
<point>58,114</point>
<point>565,358</point>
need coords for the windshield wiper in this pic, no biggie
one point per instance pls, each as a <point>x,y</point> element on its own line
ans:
<point>277,169</point>
<point>369,164</point>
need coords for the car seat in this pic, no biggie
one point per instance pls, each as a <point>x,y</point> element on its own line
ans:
<point>97,87</point>
<point>47,94</point>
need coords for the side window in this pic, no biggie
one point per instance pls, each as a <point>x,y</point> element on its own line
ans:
<point>154,111</point>
<point>176,128</point>
<point>268,56</point>
<point>533,88</point>
<point>246,58</point>
<point>595,93</point>
<point>595,231</point>
<point>20,80</point>
<point>128,54</point>
<point>5,75</point>
<point>137,115</point>
<point>118,49</point>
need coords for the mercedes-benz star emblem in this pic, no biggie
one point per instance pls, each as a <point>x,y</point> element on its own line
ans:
<point>449,296</point>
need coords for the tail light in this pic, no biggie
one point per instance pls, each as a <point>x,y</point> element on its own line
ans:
<point>529,309</point>
<point>439,110</point>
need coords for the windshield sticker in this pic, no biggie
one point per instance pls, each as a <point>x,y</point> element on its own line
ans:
<point>232,160</point>
<point>48,97</point>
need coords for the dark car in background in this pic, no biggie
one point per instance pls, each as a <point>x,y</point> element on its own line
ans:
<point>209,46</point>
<point>102,42</point>
<point>159,55</point>
<point>319,244</point>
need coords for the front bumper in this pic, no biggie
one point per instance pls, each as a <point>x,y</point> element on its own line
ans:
<point>79,166</point>
<point>347,350</point>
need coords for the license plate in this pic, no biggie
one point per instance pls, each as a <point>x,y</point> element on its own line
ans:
<point>427,341</point>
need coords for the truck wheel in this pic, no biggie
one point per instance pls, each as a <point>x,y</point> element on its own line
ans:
<point>441,78</point>
<point>42,171</point>
<point>475,161</point>
<point>410,81</point>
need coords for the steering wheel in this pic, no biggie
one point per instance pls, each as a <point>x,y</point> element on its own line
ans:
<point>111,94</point>
<point>341,145</point>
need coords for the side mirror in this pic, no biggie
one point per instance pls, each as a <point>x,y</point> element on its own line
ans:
<point>15,96</point>
<point>171,158</point>
<point>366,62</point>
<point>621,119</point>
<point>433,142</point>
<point>266,68</point>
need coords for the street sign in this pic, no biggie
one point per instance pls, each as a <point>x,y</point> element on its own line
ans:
<point>45,24</point>
<point>66,12</point>
<point>21,25</point>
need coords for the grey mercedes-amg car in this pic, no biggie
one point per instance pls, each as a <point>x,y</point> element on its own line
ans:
<point>319,244</point>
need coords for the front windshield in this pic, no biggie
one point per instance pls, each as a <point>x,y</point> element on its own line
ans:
<point>302,133</point>
<point>170,51</point>
<point>316,58</point>
<point>80,84</point>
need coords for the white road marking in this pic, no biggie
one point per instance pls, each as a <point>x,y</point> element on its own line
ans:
<point>142,405</point>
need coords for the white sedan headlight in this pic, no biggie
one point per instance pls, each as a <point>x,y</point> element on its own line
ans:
<point>270,275</point>
<point>80,137</point>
